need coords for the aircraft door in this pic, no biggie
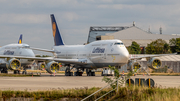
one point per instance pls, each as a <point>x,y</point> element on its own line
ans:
<point>105,50</point>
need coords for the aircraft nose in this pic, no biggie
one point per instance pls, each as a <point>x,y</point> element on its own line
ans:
<point>125,56</point>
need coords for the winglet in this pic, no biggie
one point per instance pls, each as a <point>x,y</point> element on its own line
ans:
<point>20,39</point>
<point>56,34</point>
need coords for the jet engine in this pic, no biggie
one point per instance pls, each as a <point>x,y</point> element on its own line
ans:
<point>13,64</point>
<point>154,63</point>
<point>134,66</point>
<point>52,67</point>
<point>42,66</point>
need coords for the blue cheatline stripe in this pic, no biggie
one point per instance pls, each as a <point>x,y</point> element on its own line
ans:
<point>56,34</point>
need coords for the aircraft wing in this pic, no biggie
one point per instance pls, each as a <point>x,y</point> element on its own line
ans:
<point>68,61</point>
<point>149,56</point>
<point>40,49</point>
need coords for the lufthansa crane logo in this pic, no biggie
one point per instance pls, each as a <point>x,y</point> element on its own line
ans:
<point>54,29</point>
<point>20,41</point>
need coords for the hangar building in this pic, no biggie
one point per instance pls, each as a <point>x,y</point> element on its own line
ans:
<point>126,35</point>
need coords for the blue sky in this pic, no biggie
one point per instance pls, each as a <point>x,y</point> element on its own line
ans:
<point>74,17</point>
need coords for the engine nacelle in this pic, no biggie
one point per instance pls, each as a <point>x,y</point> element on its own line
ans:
<point>42,66</point>
<point>52,67</point>
<point>154,63</point>
<point>133,66</point>
<point>14,64</point>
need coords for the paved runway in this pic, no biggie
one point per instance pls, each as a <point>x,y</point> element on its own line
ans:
<point>46,82</point>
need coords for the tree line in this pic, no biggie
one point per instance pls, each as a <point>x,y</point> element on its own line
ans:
<point>158,46</point>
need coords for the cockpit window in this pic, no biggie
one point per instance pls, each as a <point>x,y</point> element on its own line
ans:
<point>26,46</point>
<point>118,43</point>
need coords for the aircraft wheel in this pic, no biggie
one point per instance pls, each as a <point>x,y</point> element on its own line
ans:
<point>92,73</point>
<point>4,70</point>
<point>87,72</point>
<point>75,73</point>
<point>23,72</point>
<point>14,71</point>
<point>102,74</point>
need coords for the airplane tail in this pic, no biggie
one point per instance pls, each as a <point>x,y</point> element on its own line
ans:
<point>20,39</point>
<point>56,34</point>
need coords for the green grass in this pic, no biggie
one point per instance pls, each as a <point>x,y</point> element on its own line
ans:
<point>16,75</point>
<point>147,94</point>
<point>124,94</point>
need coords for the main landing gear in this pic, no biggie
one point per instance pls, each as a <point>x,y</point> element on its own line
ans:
<point>4,70</point>
<point>16,71</point>
<point>78,72</point>
<point>68,72</point>
<point>24,70</point>
<point>89,72</point>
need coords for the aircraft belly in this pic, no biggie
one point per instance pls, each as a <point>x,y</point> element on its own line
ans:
<point>25,62</point>
<point>101,65</point>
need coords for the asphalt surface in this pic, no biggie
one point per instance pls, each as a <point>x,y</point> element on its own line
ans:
<point>47,82</point>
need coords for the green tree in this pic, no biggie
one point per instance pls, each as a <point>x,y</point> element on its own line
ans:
<point>175,44</point>
<point>166,48</point>
<point>158,46</point>
<point>172,43</point>
<point>134,48</point>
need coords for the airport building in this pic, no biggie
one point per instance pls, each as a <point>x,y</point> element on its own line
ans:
<point>127,34</point>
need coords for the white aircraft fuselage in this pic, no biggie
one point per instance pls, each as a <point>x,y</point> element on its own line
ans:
<point>17,50</point>
<point>98,54</point>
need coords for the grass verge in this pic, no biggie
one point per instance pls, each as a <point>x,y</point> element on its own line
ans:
<point>124,94</point>
<point>17,75</point>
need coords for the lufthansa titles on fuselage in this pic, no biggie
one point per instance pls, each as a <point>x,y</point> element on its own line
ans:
<point>98,50</point>
<point>8,52</point>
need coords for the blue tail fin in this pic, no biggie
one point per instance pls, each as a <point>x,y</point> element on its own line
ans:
<point>56,34</point>
<point>20,39</point>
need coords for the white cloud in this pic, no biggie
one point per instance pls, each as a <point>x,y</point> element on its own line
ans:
<point>70,16</point>
<point>23,18</point>
<point>122,6</point>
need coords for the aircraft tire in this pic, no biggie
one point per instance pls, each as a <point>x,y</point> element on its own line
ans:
<point>88,72</point>
<point>92,73</point>
<point>102,74</point>
<point>78,73</point>
<point>14,71</point>
<point>75,74</point>
<point>25,72</point>
<point>4,70</point>
<point>71,73</point>
<point>68,73</point>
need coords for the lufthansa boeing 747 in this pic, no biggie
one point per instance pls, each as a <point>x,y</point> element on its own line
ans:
<point>8,60</point>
